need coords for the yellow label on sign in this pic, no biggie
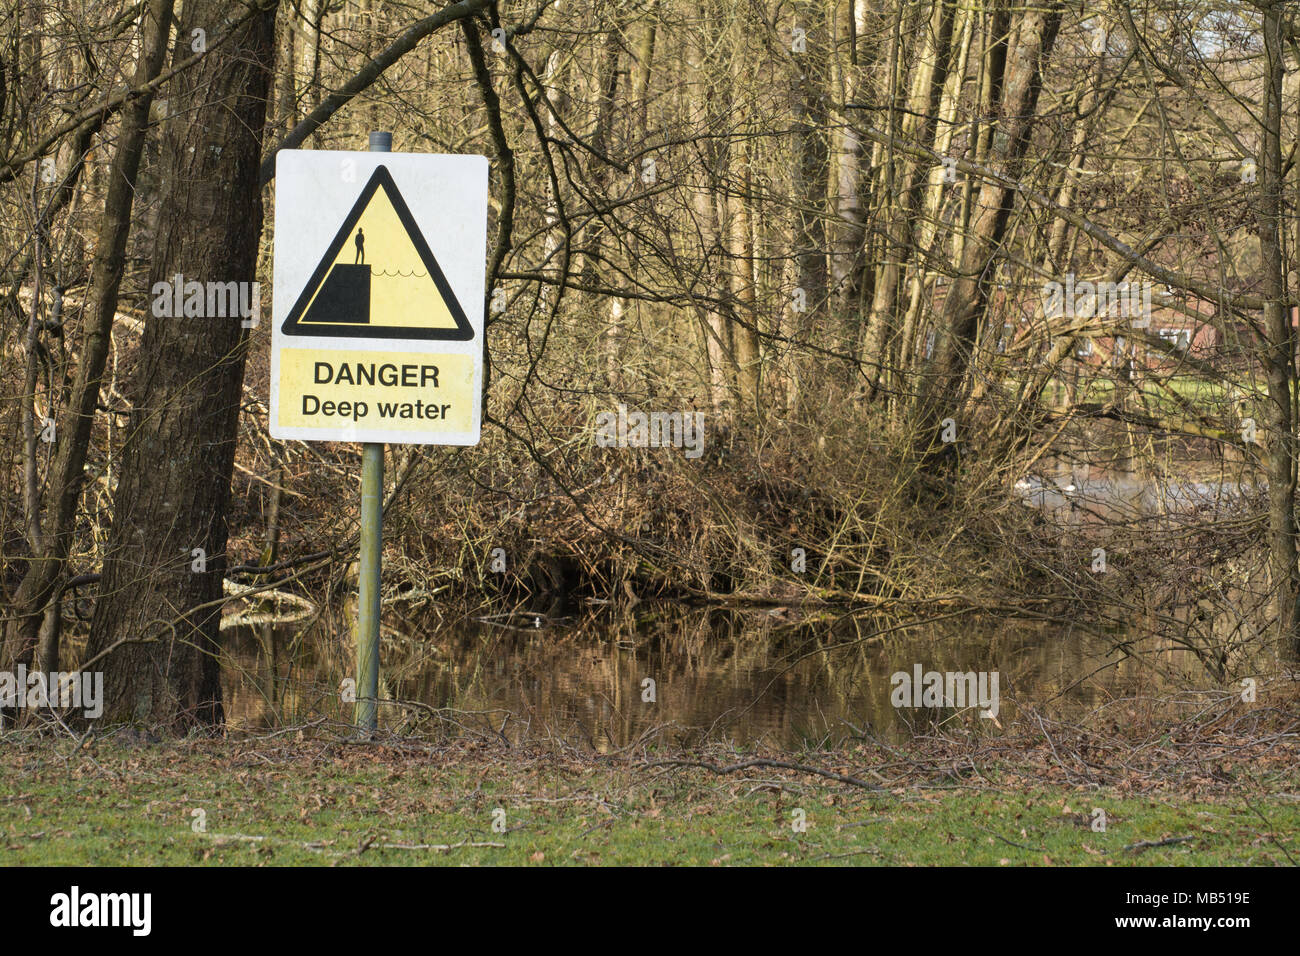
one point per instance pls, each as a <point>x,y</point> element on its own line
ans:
<point>393,391</point>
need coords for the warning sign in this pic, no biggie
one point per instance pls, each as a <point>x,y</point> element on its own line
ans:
<point>378,278</point>
<point>379,274</point>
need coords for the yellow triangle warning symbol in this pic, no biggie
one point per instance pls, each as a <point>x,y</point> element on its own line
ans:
<point>378,278</point>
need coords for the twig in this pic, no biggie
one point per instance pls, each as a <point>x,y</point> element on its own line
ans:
<point>1147,844</point>
<point>1020,846</point>
<point>440,847</point>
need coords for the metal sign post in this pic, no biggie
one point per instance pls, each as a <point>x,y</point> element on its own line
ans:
<point>372,539</point>
<point>372,543</point>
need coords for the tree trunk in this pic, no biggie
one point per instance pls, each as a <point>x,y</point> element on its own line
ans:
<point>1279,350</point>
<point>708,105</point>
<point>597,244</point>
<point>637,113</point>
<point>968,292</point>
<point>159,604</point>
<point>848,253</point>
<point>741,243</point>
<point>901,197</point>
<point>928,235</point>
<point>811,169</point>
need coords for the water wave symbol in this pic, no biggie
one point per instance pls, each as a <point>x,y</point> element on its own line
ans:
<point>399,274</point>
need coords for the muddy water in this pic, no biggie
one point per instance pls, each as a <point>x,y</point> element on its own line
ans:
<point>747,677</point>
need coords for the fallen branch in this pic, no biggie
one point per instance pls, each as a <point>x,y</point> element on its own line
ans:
<point>439,847</point>
<point>1147,844</point>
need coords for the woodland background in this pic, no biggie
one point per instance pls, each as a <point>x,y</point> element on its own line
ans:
<point>824,224</point>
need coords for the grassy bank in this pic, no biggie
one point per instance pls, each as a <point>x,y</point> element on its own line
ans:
<point>323,802</point>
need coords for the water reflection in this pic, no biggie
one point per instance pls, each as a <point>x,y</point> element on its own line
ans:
<point>751,676</point>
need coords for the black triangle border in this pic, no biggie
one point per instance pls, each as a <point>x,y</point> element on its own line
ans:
<point>379,179</point>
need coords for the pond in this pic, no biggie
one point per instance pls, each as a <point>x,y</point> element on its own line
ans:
<point>604,678</point>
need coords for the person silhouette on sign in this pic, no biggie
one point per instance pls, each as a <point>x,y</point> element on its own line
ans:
<point>361,246</point>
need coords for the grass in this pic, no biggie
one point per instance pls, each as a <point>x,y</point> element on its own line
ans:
<point>326,803</point>
<point>1207,397</point>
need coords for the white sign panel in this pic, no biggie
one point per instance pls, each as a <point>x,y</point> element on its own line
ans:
<point>377,329</point>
